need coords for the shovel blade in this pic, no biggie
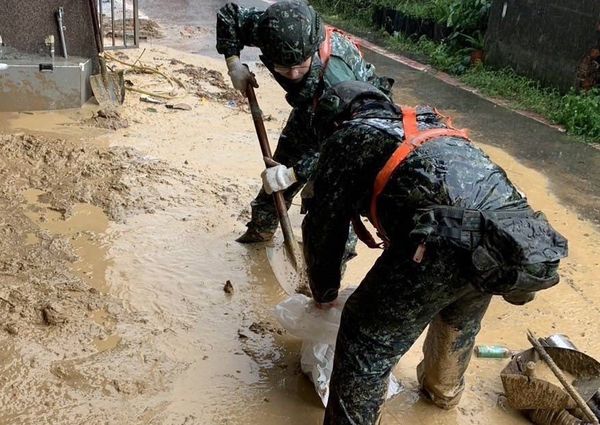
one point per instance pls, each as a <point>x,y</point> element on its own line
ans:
<point>291,280</point>
<point>108,89</point>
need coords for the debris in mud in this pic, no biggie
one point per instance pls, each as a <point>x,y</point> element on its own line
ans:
<point>150,99</point>
<point>228,288</point>
<point>262,328</point>
<point>147,28</point>
<point>189,31</point>
<point>198,75</point>
<point>11,329</point>
<point>179,106</point>
<point>530,385</point>
<point>53,316</point>
<point>108,118</point>
<point>242,335</point>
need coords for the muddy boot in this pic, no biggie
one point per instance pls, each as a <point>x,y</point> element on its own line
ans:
<point>254,236</point>
<point>448,348</point>
<point>441,371</point>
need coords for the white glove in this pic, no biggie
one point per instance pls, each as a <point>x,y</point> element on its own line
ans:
<point>278,178</point>
<point>240,74</point>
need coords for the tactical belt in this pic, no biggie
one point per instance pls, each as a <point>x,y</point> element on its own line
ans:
<point>461,226</point>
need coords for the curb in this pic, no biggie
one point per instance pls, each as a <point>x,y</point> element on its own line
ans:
<point>448,79</point>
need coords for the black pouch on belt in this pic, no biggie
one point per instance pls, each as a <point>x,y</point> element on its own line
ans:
<point>518,252</point>
<point>512,251</point>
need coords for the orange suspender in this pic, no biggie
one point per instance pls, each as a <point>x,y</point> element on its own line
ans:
<point>413,138</point>
<point>326,46</point>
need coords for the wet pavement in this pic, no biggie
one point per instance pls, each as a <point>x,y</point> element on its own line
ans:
<point>572,167</point>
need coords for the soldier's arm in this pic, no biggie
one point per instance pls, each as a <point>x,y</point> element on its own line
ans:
<point>235,28</point>
<point>298,141</point>
<point>325,227</point>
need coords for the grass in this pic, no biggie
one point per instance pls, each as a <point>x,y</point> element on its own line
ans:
<point>578,113</point>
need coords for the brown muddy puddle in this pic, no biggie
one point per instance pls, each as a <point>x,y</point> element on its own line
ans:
<point>169,268</point>
<point>65,123</point>
<point>84,227</point>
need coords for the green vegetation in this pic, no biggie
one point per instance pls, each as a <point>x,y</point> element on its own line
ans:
<point>578,112</point>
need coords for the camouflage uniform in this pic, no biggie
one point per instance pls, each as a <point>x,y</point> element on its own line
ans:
<point>398,298</point>
<point>238,27</point>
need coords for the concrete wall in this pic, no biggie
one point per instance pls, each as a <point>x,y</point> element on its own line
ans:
<point>554,41</point>
<point>24,24</point>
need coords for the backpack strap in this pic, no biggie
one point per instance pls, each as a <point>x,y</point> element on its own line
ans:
<point>413,138</point>
<point>327,46</point>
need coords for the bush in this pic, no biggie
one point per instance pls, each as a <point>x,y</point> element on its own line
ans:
<point>579,113</point>
<point>468,16</point>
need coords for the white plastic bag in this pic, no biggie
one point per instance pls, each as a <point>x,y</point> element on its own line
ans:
<point>318,329</point>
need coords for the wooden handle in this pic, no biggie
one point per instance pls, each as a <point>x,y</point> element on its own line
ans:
<point>561,377</point>
<point>284,219</point>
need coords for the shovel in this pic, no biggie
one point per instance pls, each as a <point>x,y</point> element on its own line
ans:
<point>287,264</point>
<point>108,87</point>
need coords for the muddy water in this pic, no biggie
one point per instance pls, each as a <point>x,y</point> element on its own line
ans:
<point>170,346</point>
<point>84,227</point>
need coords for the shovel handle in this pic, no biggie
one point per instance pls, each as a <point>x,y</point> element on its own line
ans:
<point>286,226</point>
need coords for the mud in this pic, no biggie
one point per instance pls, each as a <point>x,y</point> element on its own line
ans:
<point>208,83</point>
<point>109,119</point>
<point>147,28</point>
<point>116,246</point>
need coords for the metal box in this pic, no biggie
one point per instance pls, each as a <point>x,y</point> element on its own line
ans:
<point>36,83</point>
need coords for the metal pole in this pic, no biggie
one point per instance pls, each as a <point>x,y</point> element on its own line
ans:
<point>136,36</point>
<point>61,30</point>
<point>124,25</point>
<point>100,13</point>
<point>112,21</point>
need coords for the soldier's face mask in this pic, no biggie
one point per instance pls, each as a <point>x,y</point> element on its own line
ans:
<point>296,72</point>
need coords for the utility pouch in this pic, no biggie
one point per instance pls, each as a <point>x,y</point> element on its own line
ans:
<point>518,252</point>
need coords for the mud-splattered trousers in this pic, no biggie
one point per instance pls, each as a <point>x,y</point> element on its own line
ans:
<point>298,145</point>
<point>390,309</point>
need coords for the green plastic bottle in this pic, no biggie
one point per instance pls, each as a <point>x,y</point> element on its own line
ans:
<point>493,351</point>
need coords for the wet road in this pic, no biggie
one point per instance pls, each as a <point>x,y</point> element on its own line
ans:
<point>573,168</point>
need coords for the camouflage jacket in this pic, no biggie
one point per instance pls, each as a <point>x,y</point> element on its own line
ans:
<point>236,28</point>
<point>446,171</point>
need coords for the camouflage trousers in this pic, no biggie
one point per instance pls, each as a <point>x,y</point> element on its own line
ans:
<point>386,314</point>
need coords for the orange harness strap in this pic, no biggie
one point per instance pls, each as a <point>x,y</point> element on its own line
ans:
<point>326,46</point>
<point>413,138</point>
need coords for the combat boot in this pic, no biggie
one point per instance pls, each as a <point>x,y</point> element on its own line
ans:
<point>252,235</point>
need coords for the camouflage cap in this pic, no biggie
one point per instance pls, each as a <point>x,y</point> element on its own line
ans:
<point>289,32</point>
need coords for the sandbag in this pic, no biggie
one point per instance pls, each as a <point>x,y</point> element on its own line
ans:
<point>317,328</point>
